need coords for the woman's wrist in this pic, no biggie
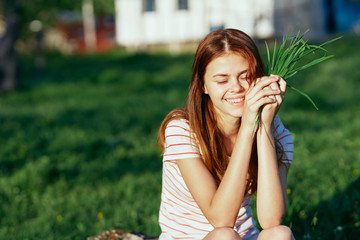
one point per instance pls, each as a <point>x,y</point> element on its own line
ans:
<point>246,131</point>
<point>265,133</point>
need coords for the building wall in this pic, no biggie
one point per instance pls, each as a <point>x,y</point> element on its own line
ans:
<point>258,18</point>
<point>238,14</point>
<point>166,24</point>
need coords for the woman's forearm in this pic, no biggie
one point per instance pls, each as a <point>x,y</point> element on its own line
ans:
<point>230,193</point>
<point>271,203</point>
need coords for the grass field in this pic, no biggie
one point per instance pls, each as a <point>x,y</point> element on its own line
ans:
<point>78,153</point>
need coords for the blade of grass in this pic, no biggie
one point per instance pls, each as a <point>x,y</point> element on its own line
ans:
<point>268,66</point>
<point>285,59</point>
<point>273,59</point>
<point>314,62</point>
<point>305,95</point>
<point>321,46</point>
<point>330,41</point>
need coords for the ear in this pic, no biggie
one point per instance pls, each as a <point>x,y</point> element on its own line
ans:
<point>205,90</point>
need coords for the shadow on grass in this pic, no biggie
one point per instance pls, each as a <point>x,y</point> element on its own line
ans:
<point>103,68</point>
<point>336,218</point>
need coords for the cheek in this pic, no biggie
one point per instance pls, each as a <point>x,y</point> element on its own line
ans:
<point>216,92</point>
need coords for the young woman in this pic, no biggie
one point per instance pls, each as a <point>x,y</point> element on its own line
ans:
<point>214,159</point>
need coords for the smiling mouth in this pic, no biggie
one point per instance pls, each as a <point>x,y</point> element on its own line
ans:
<point>235,100</point>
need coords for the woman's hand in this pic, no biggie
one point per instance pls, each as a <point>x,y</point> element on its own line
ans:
<point>266,92</point>
<point>269,110</point>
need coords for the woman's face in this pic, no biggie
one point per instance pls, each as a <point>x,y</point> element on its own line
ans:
<point>225,81</point>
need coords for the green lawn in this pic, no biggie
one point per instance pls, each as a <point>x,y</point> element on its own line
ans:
<point>78,153</point>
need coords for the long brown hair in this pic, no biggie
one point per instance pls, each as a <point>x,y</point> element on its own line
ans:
<point>199,110</point>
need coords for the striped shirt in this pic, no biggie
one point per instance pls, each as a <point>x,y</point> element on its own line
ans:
<point>180,217</point>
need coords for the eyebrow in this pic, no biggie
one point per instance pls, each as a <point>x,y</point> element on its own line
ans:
<point>225,75</point>
<point>220,75</point>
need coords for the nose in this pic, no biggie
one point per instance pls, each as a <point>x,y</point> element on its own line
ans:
<point>236,85</point>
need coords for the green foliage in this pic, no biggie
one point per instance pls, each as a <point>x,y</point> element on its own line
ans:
<point>289,59</point>
<point>44,9</point>
<point>48,12</point>
<point>286,59</point>
<point>77,152</point>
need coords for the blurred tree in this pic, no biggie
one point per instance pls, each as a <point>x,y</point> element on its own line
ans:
<point>12,13</point>
<point>17,16</point>
<point>89,25</point>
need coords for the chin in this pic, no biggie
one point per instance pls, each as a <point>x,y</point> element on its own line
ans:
<point>237,115</point>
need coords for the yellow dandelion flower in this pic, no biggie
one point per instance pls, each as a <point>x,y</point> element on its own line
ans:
<point>100,215</point>
<point>352,144</point>
<point>302,214</point>
<point>355,171</point>
<point>59,218</point>
<point>288,191</point>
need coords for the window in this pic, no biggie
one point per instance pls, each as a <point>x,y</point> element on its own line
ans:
<point>148,5</point>
<point>183,5</point>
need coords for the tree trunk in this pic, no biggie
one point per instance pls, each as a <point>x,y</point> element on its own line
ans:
<point>8,60</point>
<point>89,25</point>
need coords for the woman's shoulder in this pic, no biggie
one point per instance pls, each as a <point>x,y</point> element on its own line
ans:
<point>178,118</point>
<point>277,124</point>
<point>276,121</point>
<point>178,125</point>
<point>180,142</point>
<point>279,130</point>
<point>179,121</point>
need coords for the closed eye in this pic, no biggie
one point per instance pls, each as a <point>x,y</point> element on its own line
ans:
<point>221,78</point>
<point>222,81</point>
<point>243,76</point>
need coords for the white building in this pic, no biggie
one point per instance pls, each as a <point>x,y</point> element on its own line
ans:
<point>142,23</point>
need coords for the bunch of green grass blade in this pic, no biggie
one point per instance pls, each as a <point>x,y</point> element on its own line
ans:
<point>285,61</point>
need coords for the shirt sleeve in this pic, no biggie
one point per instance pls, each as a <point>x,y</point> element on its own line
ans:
<point>284,136</point>
<point>180,142</point>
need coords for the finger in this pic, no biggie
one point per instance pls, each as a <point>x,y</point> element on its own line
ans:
<point>272,86</point>
<point>264,93</point>
<point>252,85</point>
<point>261,83</point>
<point>265,80</point>
<point>262,102</point>
<point>278,97</point>
<point>282,84</point>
